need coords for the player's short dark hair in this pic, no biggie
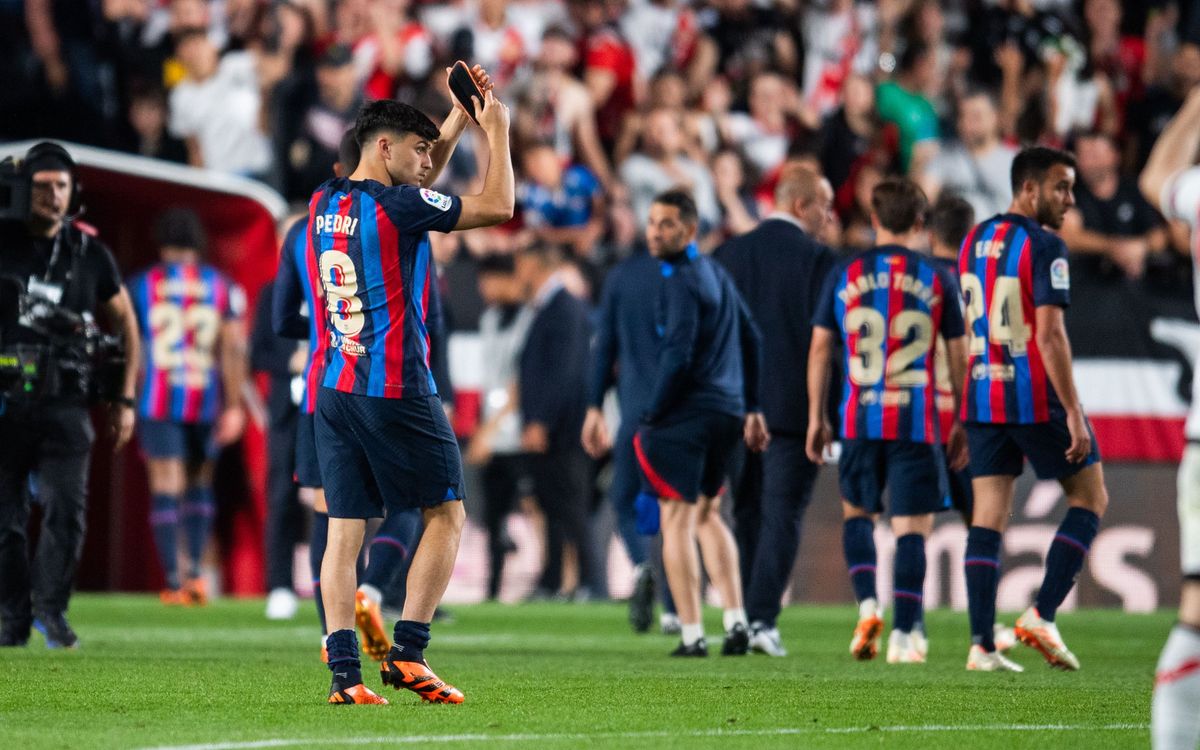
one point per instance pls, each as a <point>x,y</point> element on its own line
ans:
<point>950,219</point>
<point>395,117</point>
<point>498,264</point>
<point>899,203</point>
<point>181,227</point>
<point>349,152</point>
<point>681,199</point>
<point>1034,162</point>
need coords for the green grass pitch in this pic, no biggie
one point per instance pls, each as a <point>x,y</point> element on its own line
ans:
<point>563,676</point>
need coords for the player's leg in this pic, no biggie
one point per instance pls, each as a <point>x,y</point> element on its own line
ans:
<point>317,541</point>
<point>623,494</point>
<point>908,586</point>
<point>862,473</point>
<point>719,551</point>
<point>387,553</point>
<point>1087,500</point>
<point>199,512</point>
<point>1175,720</point>
<point>167,480</point>
<point>682,563</point>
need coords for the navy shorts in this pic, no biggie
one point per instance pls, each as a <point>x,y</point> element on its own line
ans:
<point>908,470</point>
<point>308,467</point>
<point>379,454</point>
<point>688,455</point>
<point>1002,449</point>
<point>191,443</point>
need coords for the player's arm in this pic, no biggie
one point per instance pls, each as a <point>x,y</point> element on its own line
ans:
<point>1056,355</point>
<point>119,314</point>
<point>595,437</point>
<point>231,347</point>
<point>679,343</point>
<point>494,205</point>
<point>820,356</point>
<point>287,299</point>
<point>1175,150</point>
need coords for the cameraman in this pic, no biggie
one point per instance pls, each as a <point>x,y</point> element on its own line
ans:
<point>50,433</point>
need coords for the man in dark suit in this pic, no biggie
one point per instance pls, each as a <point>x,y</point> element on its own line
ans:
<point>779,268</point>
<point>552,389</point>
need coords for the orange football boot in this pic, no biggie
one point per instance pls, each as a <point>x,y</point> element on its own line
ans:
<point>197,591</point>
<point>865,643</point>
<point>367,616</point>
<point>419,678</point>
<point>359,694</point>
<point>174,597</point>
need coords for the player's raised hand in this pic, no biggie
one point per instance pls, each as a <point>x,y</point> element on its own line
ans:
<point>482,80</point>
<point>491,113</point>
<point>756,434</point>
<point>1081,438</point>
<point>820,435</point>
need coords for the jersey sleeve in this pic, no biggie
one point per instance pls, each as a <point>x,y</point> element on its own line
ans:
<point>951,325</point>
<point>1181,197</point>
<point>414,209</point>
<point>1051,273</point>
<point>825,315</point>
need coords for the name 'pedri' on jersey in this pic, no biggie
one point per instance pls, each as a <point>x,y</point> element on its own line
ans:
<point>888,305</point>
<point>375,267</point>
<point>1008,267</point>
<point>180,308</point>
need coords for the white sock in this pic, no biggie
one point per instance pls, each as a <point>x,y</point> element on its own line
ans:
<point>735,617</point>
<point>1175,722</point>
<point>372,593</point>
<point>867,607</point>
<point>691,633</point>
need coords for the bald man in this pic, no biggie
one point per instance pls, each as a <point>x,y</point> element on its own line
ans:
<point>779,268</point>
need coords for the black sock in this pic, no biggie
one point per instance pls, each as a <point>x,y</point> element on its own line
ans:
<point>909,577</point>
<point>409,640</point>
<point>164,524</point>
<point>316,553</point>
<point>858,544</point>
<point>390,547</point>
<point>982,568</point>
<point>342,646</point>
<point>1065,559</point>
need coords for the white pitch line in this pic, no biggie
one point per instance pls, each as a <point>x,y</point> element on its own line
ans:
<point>782,731</point>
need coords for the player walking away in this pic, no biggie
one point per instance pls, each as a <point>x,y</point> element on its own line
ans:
<point>1171,182</point>
<point>707,381</point>
<point>888,306</point>
<point>383,440</point>
<point>296,292</point>
<point>1020,402</point>
<point>190,316</point>
<point>950,221</point>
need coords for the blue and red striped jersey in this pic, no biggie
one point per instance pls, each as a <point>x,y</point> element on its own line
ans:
<point>180,308</point>
<point>1008,267</point>
<point>889,304</point>
<point>947,413</point>
<point>375,267</point>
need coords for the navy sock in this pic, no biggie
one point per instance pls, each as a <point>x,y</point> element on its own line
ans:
<point>164,522</point>
<point>982,567</point>
<point>410,638</point>
<point>390,547</point>
<point>858,542</point>
<point>1065,559</point>
<point>316,553</point>
<point>198,512</point>
<point>342,646</point>
<point>909,580</point>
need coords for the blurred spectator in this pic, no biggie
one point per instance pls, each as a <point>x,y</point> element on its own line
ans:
<point>840,41</point>
<point>766,132</point>
<point>147,134</point>
<point>392,52</point>
<point>552,393</point>
<point>553,107</point>
<point>667,91</point>
<point>560,206</point>
<point>665,36</point>
<point>1111,218</point>
<point>492,40</point>
<point>902,104</point>
<point>217,108</point>
<point>607,64</point>
<point>849,132</point>
<point>320,124</point>
<point>751,39</point>
<point>1147,120</point>
<point>738,209</point>
<point>1120,58</point>
<point>496,445</point>
<point>977,165</point>
<point>661,164</point>
<point>857,233</point>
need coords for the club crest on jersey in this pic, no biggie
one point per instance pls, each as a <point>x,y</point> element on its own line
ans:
<point>435,199</point>
<point>1060,274</point>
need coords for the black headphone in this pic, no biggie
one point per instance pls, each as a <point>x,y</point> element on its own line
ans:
<point>54,150</point>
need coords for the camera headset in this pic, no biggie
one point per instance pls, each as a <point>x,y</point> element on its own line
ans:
<point>50,155</point>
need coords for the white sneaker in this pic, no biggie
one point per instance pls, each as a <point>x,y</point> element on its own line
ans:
<point>669,624</point>
<point>1035,632</point>
<point>920,643</point>
<point>282,604</point>
<point>1004,637</point>
<point>764,640</point>
<point>979,660</point>
<point>901,650</point>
